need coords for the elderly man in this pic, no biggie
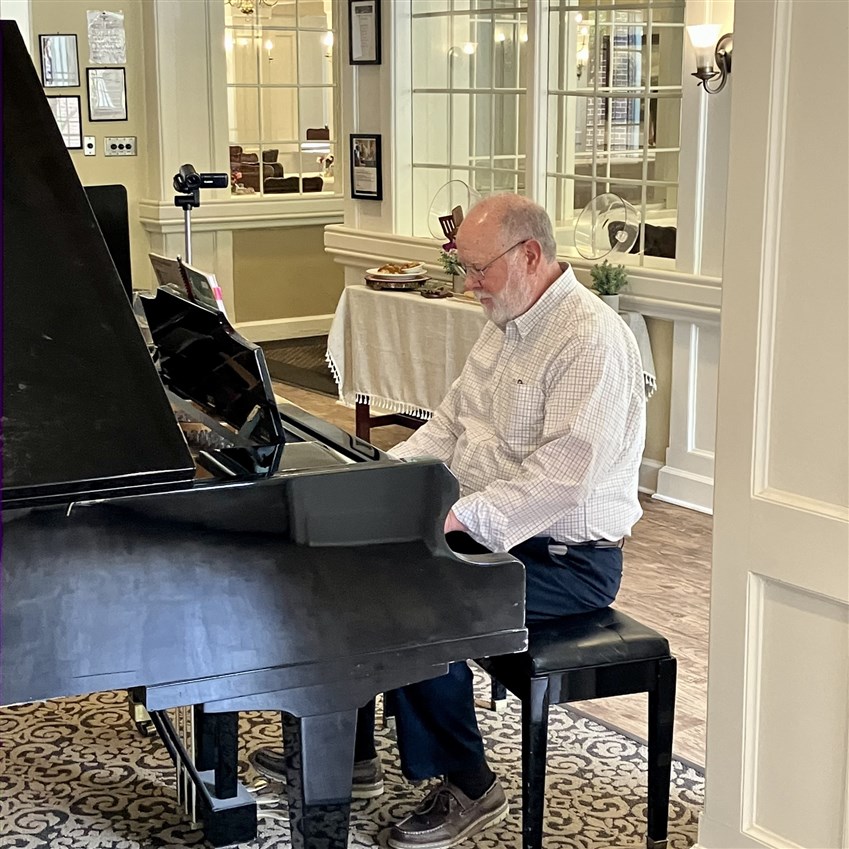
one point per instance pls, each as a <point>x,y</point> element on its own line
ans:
<point>544,430</point>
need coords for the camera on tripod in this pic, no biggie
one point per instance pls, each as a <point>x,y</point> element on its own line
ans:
<point>189,182</point>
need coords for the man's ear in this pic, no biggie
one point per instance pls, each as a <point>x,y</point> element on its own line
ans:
<point>533,254</point>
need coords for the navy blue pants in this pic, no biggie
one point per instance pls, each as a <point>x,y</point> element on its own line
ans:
<point>435,720</point>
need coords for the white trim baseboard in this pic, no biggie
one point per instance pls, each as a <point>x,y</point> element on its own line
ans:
<point>677,486</point>
<point>649,469</point>
<point>274,330</point>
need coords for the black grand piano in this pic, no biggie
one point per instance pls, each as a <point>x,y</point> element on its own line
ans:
<point>287,566</point>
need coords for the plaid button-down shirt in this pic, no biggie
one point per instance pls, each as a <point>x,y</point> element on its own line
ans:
<point>545,426</point>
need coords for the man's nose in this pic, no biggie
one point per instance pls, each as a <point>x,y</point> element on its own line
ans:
<point>472,283</point>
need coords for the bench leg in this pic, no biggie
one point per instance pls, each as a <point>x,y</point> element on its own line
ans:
<point>534,746</point>
<point>661,722</point>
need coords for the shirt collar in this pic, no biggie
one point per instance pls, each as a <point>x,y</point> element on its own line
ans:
<point>527,321</point>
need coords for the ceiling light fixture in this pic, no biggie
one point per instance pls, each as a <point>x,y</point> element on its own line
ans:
<point>249,7</point>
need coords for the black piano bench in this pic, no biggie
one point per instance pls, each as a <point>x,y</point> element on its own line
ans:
<point>590,656</point>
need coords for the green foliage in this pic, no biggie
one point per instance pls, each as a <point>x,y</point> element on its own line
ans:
<point>608,279</point>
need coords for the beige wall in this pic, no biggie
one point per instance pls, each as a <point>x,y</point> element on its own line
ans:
<point>69,16</point>
<point>283,273</point>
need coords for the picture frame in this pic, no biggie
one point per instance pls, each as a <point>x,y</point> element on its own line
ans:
<point>68,114</point>
<point>366,167</point>
<point>364,32</point>
<point>60,60</point>
<point>107,94</point>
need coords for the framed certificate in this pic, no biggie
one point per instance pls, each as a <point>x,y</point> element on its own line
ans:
<point>366,167</point>
<point>107,94</point>
<point>364,32</point>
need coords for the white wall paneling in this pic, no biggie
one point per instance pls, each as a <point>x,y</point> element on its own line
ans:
<point>687,476</point>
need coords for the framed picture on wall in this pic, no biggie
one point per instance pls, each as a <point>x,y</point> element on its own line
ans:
<point>107,94</point>
<point>366,167</point>
<point>364,32</point>
<point>66,111</point>
<point>60,65</point>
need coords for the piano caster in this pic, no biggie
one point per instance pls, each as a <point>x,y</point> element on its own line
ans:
<point>495,705</point>
<point>497,700</point>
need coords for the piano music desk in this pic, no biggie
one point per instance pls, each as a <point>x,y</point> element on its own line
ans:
<point>398,351</point>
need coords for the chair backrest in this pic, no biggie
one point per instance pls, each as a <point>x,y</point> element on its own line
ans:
<point>270,155</point>
<point>318,134</point>
<point>313,184</point>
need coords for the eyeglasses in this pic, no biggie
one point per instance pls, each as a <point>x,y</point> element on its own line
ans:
<point>478,272</point>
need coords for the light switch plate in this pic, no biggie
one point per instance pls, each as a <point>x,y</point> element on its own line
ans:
<point>119,145</point>
<point>90,146</point>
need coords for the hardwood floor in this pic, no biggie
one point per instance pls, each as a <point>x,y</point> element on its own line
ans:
<point>666,585</point>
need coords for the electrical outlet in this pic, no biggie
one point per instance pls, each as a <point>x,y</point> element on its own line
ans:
<point>89,146</point>
<point>119,145</point>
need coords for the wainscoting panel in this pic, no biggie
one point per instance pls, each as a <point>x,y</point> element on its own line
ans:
<point>798,724</point>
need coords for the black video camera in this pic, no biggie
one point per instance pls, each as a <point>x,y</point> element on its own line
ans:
<point>188,180</point>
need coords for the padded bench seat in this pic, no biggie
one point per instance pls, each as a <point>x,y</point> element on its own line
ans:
<point>588,656</point>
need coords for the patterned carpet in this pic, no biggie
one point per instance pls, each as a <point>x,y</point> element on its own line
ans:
<point>75,774</point>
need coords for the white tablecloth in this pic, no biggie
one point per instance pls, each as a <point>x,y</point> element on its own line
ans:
<point>401,352</point>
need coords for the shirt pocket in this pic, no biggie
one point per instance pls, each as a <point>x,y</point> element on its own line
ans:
<point>520,413</point>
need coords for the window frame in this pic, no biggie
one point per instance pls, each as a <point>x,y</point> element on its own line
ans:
<point>537,111</point>
<point>256,28</point>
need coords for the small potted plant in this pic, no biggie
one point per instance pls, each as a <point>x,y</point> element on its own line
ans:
<point>451,265</point>
<point>608,280</point>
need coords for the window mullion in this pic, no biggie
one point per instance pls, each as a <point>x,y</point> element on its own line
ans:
<point>536,111</point>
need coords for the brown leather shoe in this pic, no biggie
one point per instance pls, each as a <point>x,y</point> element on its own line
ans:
<point>447,816</point>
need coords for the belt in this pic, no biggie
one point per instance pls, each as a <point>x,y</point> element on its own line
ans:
<point>593,543</point>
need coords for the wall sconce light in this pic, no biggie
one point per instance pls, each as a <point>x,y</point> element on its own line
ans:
<point>709,48</point>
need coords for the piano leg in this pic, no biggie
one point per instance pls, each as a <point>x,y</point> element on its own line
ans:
<point>319,753</point>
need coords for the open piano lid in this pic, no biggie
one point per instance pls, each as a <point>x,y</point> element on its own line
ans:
<point>84,412</point>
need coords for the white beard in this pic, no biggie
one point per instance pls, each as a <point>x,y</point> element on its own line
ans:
<point>508,304</point>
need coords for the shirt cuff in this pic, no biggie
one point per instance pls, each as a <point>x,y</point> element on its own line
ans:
<point>486,524</point>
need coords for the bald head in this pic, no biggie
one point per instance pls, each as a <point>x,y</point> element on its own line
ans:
<point>514,217</point>
<point>507,247</point>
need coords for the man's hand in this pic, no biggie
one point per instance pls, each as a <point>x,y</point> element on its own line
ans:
<point>452,523</point>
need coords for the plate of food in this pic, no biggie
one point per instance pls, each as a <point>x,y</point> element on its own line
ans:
<point>394,270</point>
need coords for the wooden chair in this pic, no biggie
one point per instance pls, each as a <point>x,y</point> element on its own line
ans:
<point>590,656</point>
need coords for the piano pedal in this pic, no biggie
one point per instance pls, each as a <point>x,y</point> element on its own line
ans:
<point>139,715</point>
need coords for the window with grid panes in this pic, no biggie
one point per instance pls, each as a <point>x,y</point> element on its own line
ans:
<point>281,93</point>
<point>614,112</point>
<point>469,94</point>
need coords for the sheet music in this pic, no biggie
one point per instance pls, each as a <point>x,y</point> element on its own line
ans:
<point>201,287</point>
<point>168,273</point>
<point>204,287</point>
